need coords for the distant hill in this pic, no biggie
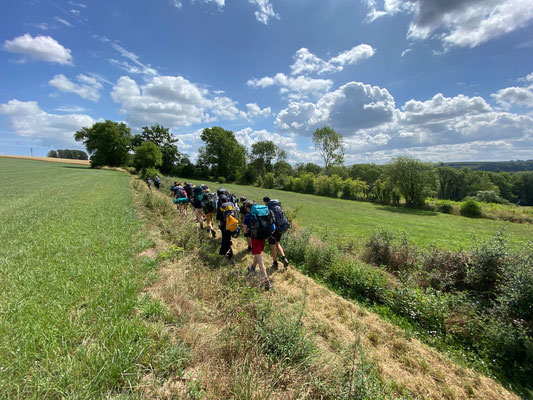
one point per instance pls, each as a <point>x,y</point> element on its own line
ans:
<point>494,166</point>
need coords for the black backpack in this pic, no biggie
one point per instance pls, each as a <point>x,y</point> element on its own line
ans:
<point>262,222</point>
<point>280,219</point>
<point>180,193</point>
<point>209,203</point>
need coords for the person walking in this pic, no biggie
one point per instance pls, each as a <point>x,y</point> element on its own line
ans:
<point>149,183</point>
<point>282,225</point>
<point>181,198</point>
<point>258,225</point>
<point>157,182</point>
<point>227,211</point>
<point>242,215</point>
<point>209,206</point>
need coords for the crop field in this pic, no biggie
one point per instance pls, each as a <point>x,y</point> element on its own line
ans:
<point>50,159</point>
<point>350,221</point>
<point>69,283</point>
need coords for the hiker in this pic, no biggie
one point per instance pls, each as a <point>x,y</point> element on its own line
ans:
<point>173,188</point>
<point>209,206</point>
<point>188,188</point>
<point>196,200</point>
<point>242,214</point>
<point>149,183</point>
<point>282,225</point>
<point>157,182</point>
<point>259,225</point>
<point>181,199</point>
<point>228,224</point>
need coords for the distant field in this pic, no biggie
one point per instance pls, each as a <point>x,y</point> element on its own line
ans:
<point>355,221</point>
<point>69,281</point>
<point>51,159</point>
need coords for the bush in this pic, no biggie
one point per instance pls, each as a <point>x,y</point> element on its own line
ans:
<point>444,207</point>
<point>221,180</point>
<point>149,172</point>
<point>490,196</point>
<point>383,248</point>
<point>489,263</point>
<point>314,257</point>
<point>445,270</point>
<point>471,208</point>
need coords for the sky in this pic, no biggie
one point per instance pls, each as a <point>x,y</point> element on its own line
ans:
<point>429,79</point>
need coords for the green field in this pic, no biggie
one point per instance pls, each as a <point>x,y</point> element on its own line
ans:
<point>69,283</point>
<point>355,221</point>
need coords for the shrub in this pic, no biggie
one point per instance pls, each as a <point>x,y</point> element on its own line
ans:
<point>488,264</point>
<point>383,248</point>
<point>471,208</point>
<point>445,270</point>
<point>149,172</point>
<point>444,207</point>
<point>221,179</point>
<point>490,196</point>
<point>314,257</point>
<point>269,181</point>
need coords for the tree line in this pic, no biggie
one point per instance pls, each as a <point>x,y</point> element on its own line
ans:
<point>222,158</point>
<point>69,154</point>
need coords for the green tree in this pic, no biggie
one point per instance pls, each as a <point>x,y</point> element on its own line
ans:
<point>414,179</point>
<point>222,153</point>
<point>264,153</point>
<point>147,155</point>
<point>329,145</point>
<point>52,154</point>
<point>108,143</point>
<point>162,137</point>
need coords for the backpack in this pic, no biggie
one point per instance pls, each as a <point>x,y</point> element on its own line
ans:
<point>280,219</point>
<point>233,199</point>
<point>231,223</point>
<point>209,203</point>
<point>197,196</point>
<point>262,222</point>
<point>222,191</point>
<point>180,193</point>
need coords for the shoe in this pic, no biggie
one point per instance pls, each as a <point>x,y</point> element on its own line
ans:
<point>201,225</point>
<point>250,270</point>
<point>232,261</point>
<point>285,262</point>
<point>274,265</point>
<point>266,285</point>
<point>249,248</point>
<point>213,233</point>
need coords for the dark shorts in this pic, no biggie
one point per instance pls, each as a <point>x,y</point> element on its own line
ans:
<point>258,246</point>
<point>274,238</point>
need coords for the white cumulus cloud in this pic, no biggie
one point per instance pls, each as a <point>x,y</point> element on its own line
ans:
<point>255,111</point>
<point>28,119</point>
<point>89,87</point>
<point>265,11</point>
<point>39,48</point>
<point>306,62</point>
<point>294,87</point>
<point>172,101</point>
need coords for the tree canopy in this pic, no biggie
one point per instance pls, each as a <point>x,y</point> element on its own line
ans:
<point>330,146</point>
<point>162,138</point>
<point>413,178</point>
<point>107,142</point>
<point>147,155</point>
<point>222,153</point>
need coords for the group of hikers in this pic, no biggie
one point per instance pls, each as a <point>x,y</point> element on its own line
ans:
<point>259,222</point>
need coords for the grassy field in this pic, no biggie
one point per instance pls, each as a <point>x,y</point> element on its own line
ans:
<point>50,159</point>
<point>69,283</point>
<point>353,221</point>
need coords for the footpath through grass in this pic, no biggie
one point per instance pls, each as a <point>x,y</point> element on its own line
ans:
<point>348,221</point>
<point>69,283</point>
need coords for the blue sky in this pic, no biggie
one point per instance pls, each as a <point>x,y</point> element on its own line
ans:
<point>436,80</point>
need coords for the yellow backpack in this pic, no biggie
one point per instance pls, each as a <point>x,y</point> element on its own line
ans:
<point>232,223</point>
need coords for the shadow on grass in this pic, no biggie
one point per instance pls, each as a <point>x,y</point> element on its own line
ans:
<point>406,210</point>
<point>77,167</point>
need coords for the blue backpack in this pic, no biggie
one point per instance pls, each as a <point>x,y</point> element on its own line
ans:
<point>262,222</point>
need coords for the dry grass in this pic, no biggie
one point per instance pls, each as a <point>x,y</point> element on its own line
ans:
<point>226,362</point>
<point>50,159</point>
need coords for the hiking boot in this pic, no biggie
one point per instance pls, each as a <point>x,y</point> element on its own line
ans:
<point>266,285</point>
<point>285,262</point>
<point>250,270</point>
<point>274,265</point>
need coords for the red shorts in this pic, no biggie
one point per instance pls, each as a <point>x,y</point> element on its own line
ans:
<point>258,246</point>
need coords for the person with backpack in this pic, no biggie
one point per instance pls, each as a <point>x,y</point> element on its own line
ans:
<point>258,225</point>
<point>242,214</point>
<point>196,200</point>
<point>149,183</point>
<point>157,182</point>
<point>282,225</point>
<point>229,225</point>
<point>209,206</point>
<point>173,188</point>
<point>180,198</point>
<point>188,188</point>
